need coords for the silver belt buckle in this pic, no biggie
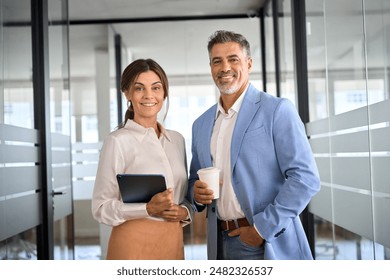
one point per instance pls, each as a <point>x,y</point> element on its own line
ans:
<point>227,225</point>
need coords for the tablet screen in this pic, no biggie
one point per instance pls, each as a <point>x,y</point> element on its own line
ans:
<point>140,187</point>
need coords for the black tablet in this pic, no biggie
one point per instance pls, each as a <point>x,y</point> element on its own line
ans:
<point>140,187</point>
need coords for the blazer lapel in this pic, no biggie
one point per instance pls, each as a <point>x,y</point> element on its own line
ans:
<point>249,107</point>
<point>207,128</point>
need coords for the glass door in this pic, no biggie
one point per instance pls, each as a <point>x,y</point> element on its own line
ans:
<point>60,111</point>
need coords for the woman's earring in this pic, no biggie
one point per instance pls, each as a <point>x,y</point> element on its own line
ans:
<point>128,103</point>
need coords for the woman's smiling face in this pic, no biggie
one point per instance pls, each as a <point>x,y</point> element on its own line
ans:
<point>147,97</point>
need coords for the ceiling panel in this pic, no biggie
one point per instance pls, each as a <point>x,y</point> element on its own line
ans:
<point>114,9</point>
<point>179,46</point>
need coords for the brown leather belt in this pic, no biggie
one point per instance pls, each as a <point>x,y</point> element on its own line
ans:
<point>233,224</point>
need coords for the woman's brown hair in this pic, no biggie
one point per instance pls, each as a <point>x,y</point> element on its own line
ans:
<point>131,73</point>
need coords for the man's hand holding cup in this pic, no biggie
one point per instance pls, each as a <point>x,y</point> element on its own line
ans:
<point>207,187</point>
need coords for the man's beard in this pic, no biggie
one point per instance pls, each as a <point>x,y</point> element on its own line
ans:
<point>224,89</point>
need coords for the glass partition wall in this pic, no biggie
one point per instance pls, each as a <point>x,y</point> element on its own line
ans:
<point>18,138</point>
<point>25,231</point>
<point>348,62</point>
<point>347,46</point>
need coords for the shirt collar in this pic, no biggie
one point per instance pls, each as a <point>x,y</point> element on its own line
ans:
<point>141,132</point>
<point>236,106</point>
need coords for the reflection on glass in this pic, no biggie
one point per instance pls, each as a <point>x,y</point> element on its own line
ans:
<point>352,94</point>
<point>378,65</point>
<point>348,51</point>
<point>350,246</point>
<point>16,64</point>
<point>270,50</point>
<point>16,109</point>
<point>19,247</point>
<point>316,60</point>
<point>287,75</point>
<point>324,246</point>
<point>18,106</point>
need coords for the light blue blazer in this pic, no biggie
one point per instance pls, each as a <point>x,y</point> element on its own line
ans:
<point>274,174</point>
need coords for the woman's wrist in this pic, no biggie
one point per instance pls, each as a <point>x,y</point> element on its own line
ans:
<point>185,214</point>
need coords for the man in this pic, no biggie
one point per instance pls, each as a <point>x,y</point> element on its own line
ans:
<point>268,173</point>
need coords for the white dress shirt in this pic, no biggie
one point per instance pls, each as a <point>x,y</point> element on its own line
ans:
<point>228,206</point>
<point>136,149</point>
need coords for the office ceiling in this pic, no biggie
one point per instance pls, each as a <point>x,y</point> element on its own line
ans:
<point>130,9</point>
<point>178,45</point>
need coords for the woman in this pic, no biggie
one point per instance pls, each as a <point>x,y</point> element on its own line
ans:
<point>142,145</point>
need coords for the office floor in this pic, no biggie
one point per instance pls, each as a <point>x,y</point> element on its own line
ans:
<point>345,250</point>
<point>89,249</point>
<point>346,246</point>
<point>199,252</point>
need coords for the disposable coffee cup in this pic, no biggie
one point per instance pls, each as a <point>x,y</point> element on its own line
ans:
<point>210,176</point>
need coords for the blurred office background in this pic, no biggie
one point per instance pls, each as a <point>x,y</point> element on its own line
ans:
<point>60,63</point>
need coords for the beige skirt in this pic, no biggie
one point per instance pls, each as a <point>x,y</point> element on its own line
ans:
<point>145,239</point>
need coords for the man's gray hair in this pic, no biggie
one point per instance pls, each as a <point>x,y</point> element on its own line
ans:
<point>223,36</point>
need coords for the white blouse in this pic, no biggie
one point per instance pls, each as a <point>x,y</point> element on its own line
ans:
<point>136,149</point>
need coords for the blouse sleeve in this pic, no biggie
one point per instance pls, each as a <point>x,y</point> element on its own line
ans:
<point>107,206</point>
